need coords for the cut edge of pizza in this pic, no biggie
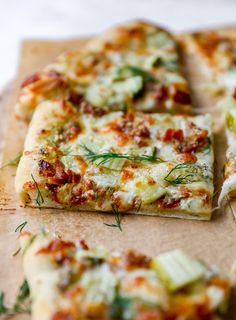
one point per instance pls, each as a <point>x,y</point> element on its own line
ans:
<point>135,64</point>
<point>154,164</point>
<point>68,279</point>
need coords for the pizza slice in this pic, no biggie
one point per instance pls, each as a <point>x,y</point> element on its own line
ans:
<point>228,106</point>
<point>70,280</point>
<point>155,164</point>
<point>215,57</point>
<point>133,65</point>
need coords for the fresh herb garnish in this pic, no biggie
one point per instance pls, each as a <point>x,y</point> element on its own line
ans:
<point>39,199</point>
<point>31,240</point>
<point>136,71</point>
<point>16,252</point>
<point>13,162</point>
<point>181,178</point>
<point>169,64</point>
<point>105,157</point>
<point>118,218</point>
<point>95,191</point>
<point>3,308</point>
<point>20,303</point>
<point>120,307</point>
<point>21,226</point>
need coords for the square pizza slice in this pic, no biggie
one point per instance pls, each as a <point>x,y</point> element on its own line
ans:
<point>70,280</point>
<point>136,64</point>
<point>154,164</point>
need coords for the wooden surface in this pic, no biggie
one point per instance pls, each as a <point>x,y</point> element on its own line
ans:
<point>214,241</point>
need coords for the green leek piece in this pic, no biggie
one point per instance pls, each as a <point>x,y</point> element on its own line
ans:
<point>177,270</point>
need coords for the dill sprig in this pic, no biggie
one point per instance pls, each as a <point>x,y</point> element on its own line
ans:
<point>181,178</point>
<point>118,218</point>
<point>105,157</point>
<point>21,226</point>
<point>39,199</point>
<point>19,305</point>
<point>136,71</point>
<point>13,163</point>
<point>95,191</point>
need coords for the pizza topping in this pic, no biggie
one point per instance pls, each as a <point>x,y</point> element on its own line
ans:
<point>31,79</point>
<point>171,134</point>
<point>181,97</point>
<point>46,169</point>
<point>177,270</point>
<point>135,260</point>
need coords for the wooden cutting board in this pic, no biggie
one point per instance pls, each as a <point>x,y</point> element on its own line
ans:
<point>214,241</point>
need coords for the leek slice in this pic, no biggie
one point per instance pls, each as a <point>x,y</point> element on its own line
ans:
<point>177,270</point>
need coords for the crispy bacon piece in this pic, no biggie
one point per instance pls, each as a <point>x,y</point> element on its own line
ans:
<point>59,250</point>
<point>181,97</point>
<point>160,92</point>
<point>56,245</point>
<point>94,111</point>
<point>195,141</point>
<point>30,79</point>
<point>187,158</point>
<point>63,315</point>
<point>61,177</point>
<point>73,177</point>
<point>136,260</point>
<point>72,130</point>
<point>168,203</point>
<point>78,198</point>
<point>172,134</point>
<point>75,98</point>
<point>46,169</point>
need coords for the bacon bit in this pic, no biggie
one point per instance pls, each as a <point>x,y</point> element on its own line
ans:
<point>168,203</point>
<point>30,79</point>
<point>75,98</point>
<point>73,177</point>
<point>139,280</point>
<point>160,92</point>
<point>83,245</point>
<point>116,200</point>
<point>46,169</point>
<point>181,97</point>
<point>56,245</point>
<point>187,157</point>
<point>60,176</point>
<point>94,111</point>
<point>72,130</point>
<point>171,134</point>
<point>151,315</point>
<point>83,164</point>
<point>126,174</point>
<point>51,187</point>
<point>29,185</point>
<point>78,199</point>
<point>73,292</point>
<point>135,260</point>
<point>194,142</point>
<point>63,315</point>
<point>234,94</point>
<point>151,181</point>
